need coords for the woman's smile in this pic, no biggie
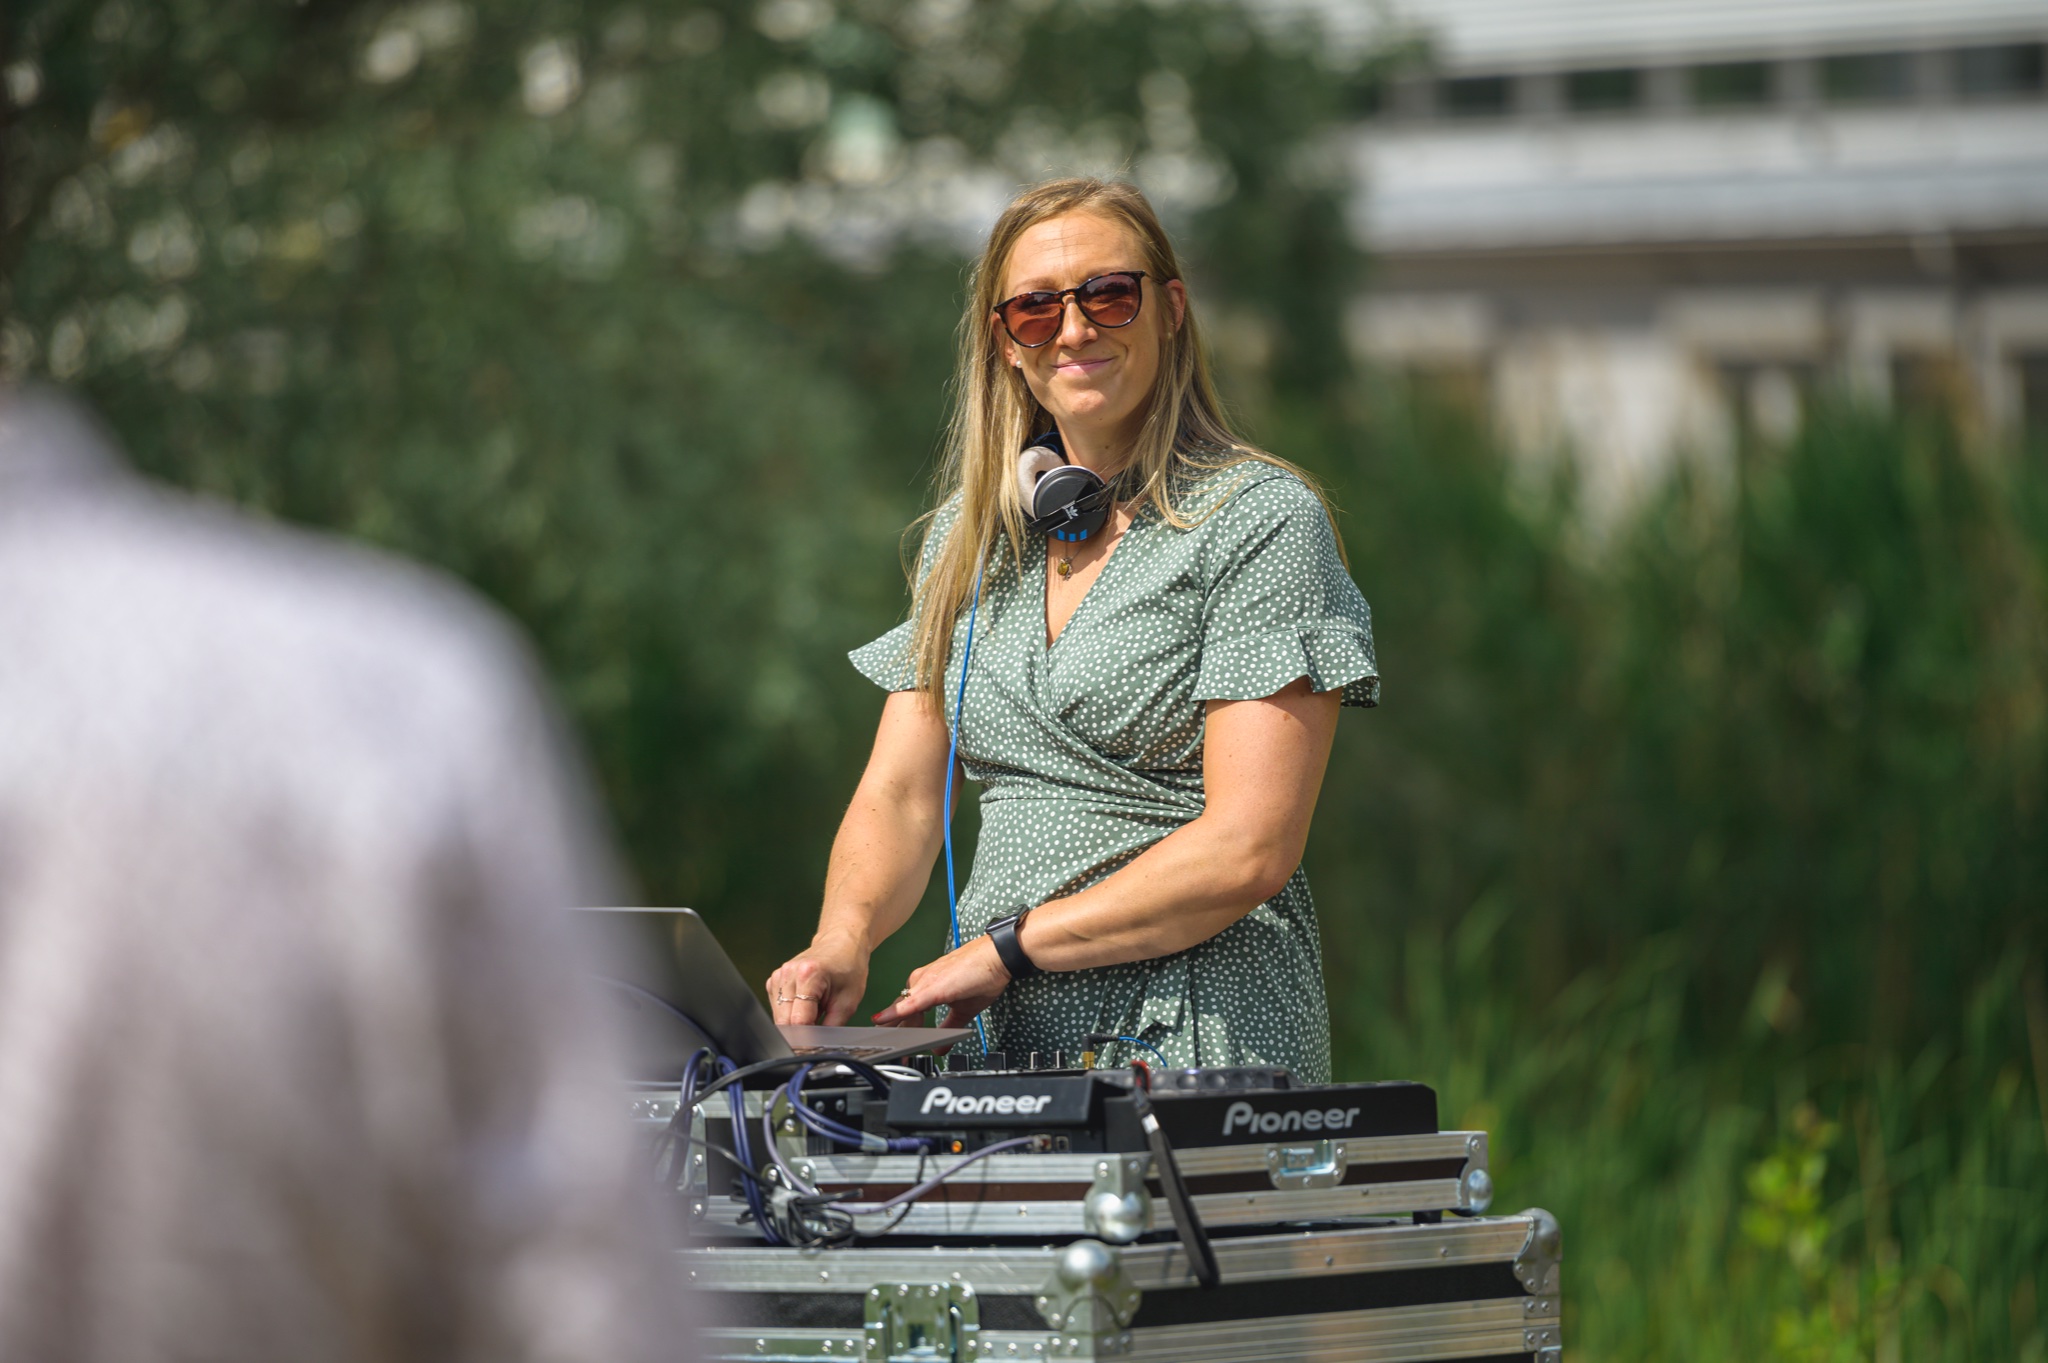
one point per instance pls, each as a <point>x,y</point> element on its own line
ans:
<point>1081,366</point>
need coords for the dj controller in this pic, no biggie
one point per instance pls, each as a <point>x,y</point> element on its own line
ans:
<point>1068,1151</point>
<point>1223,1214</point>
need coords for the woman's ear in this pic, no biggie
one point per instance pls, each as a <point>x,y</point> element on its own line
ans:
<point>1178,293</point>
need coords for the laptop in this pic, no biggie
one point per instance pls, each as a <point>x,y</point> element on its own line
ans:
<point>679,992</point>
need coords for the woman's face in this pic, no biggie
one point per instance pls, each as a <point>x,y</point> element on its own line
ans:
<point>1094,380</point>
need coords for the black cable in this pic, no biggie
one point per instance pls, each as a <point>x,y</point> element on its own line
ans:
<point>1194,1239</point>
<point>868,1074</point>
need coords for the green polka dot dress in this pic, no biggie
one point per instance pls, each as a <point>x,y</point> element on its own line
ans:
<point>1090,750</point>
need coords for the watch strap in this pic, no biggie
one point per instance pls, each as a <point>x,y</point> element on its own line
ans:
<point>1003,933</point>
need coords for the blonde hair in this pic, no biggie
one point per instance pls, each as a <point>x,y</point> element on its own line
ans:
<point>995,416</point>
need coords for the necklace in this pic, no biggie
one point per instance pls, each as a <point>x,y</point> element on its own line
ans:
<point>1066,563</point>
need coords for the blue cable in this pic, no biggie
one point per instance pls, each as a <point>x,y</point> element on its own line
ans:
<point>736,1099</point>
<point>952,754</point>
<point>1140,1041</point>
<point>839,1131</point>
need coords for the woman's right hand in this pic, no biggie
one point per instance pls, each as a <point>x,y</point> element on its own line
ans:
<point>821,985</point>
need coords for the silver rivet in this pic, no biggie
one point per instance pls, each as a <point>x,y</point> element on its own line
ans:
<point>824,1275</point>
<point>1102,1169</point>
<point>874,1293</point>
<point>1444,1253</point>
<point>1329,1260</point>
<point>760,1346</point>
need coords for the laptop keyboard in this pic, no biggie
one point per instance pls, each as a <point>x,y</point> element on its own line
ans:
<point>857,1052</point>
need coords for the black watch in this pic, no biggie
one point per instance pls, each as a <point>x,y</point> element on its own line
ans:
<point>1003,932</point>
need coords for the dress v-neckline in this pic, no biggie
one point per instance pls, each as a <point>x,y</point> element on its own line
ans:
<point>1045,635</point>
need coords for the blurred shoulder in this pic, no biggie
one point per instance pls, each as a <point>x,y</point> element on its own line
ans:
<point>252,628</point>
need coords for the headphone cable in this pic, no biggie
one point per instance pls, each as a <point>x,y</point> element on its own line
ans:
<point>952,756</point>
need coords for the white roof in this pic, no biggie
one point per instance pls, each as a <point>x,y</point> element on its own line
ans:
<point>1495,35</point>
<point>1754,178</point>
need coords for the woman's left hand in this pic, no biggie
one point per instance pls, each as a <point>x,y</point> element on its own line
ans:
<point>963,981</point>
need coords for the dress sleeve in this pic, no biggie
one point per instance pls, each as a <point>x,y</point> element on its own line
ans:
<point>1280,603</point>
<point>887,661</point>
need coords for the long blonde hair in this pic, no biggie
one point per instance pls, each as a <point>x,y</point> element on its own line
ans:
<point>995,416</point>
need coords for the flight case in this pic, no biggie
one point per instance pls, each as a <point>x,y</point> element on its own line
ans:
<point>1483,1288</point>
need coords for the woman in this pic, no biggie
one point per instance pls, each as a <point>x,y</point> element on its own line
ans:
<point>1149,709</point>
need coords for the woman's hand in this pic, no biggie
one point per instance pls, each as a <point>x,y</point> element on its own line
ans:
<point>963,981</point>
<point>821,985</point>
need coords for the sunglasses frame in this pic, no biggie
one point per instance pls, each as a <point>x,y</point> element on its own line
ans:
<point>1074,293</point>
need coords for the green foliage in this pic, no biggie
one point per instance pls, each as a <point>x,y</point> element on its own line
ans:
<point>1699,862</point>
<point>636,317</point>
<point>1704,869</point>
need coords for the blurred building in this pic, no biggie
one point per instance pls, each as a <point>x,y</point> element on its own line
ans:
<point>1643,226</point>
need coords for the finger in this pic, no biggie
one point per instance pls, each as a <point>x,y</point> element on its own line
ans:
<point>901,1011</point>
<point>839,1010</point>
<point>963,1013</point>
<point>778,990</point>
<point>803,1008</point>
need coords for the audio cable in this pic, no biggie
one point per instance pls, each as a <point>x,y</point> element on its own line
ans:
<point>952,756</point>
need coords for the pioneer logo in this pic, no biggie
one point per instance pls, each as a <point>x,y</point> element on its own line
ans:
<point>943,1099</point>
<point>1240,1117</point>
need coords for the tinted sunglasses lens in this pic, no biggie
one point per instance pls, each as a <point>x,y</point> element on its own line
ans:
<point>1112,300</point>
<point>1033,319</point>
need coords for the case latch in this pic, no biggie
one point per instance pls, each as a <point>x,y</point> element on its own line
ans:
<point>1317,1164</point>
<point>922,1323</point>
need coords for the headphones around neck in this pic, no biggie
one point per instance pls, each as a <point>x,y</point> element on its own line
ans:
<point>1063,500</point>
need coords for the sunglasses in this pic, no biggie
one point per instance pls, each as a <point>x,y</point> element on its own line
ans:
<point>1108,300</point>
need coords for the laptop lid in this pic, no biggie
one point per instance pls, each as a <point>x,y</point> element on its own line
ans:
<point>678,991</point>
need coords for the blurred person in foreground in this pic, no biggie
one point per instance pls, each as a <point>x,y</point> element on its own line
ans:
<point>291,1063</point>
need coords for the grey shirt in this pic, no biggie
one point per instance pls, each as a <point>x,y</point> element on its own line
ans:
<point>293,1062</point>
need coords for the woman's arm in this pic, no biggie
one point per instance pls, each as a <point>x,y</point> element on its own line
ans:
<point>881,862</point>
<point>1263,763</point>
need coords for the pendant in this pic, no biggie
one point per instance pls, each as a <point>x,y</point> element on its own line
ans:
<point>1066,566</point>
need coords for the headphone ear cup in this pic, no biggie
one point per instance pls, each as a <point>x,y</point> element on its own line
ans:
<point>1032,466</point>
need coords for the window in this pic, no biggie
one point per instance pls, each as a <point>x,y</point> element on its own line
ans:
<point>1473,96</point>
<point>2013,70</point>
<point>1729,85</point>
<point>1589,92</point>
<point>1868,78</point>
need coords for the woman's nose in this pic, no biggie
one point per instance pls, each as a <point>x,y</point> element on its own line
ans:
<point>1075,328</point>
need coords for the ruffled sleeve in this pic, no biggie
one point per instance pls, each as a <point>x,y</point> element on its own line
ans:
<point>1279,603</point>
<point>886,661</point>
